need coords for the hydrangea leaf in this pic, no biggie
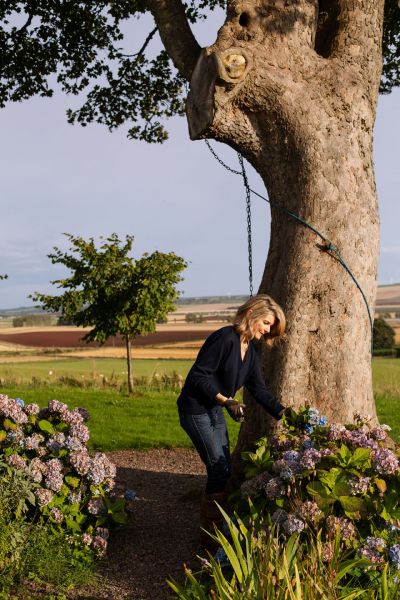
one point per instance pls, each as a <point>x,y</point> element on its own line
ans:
<point>46,426</point>
<point>9,425</point>
<point>354,507</point>
<point>330,478</point>
<point>322,495</point>
<point>380,484</point>
<point>72,481</point>
<point>3,435</point>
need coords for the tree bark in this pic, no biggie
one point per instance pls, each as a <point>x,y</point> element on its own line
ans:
<point>295,91</point>
<point>129,363</point>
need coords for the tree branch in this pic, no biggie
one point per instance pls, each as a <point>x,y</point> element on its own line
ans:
<point>359,35</point>
<point>176,34</point>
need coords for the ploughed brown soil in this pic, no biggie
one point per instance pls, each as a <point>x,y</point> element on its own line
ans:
<point>73,339</point>
<point>164,532</point>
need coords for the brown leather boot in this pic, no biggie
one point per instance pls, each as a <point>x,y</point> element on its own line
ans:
<point>211,518</point>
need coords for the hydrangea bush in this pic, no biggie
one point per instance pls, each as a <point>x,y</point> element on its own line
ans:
<point>319,479</point>
<point>73,490</point>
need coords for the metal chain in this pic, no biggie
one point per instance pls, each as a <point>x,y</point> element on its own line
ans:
<point>248,215</point>
<point>221,162</point>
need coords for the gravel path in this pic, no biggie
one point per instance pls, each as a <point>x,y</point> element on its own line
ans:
<point>165,531</point>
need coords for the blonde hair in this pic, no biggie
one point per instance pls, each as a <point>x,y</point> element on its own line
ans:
<point>260,306</point>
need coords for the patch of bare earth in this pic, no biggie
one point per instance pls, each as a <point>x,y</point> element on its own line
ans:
<point>164,533</point>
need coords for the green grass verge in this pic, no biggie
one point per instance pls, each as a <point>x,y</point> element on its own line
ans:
<point>118,421</point>
<point>386,378</point>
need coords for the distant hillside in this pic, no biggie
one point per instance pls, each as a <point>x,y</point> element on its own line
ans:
<point>212,300</point>
<point>386,294</point>
<point>20,311</point>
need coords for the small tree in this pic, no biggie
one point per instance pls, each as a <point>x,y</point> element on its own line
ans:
<point>384,334</point>
<point>112,292</point>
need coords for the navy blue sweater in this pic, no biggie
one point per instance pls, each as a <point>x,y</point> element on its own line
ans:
<point>219,369</point>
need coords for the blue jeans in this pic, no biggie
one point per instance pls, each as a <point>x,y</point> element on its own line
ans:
<point>209,435</point>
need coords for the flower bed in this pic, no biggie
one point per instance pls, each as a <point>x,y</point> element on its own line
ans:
<point>329,480</point>
<point>72,489</point>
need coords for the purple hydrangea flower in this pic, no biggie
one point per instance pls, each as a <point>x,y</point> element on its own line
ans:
<point>99,544</point>
<point>56,515</point>
<point>293,525</point>
<point>16,461</point>
<point>96,506</point>
<point>102,532</point>
<point>80,460</point>
<point>346,527</point>
<point>291,455</point>
<point>275,488</point>
<point>56,442</point>
<point>57,406</point>
<point>32,409</point>
<point>384,461</point>
<point>309,459</point>
<point>279,516</point>
<point>307,444</point>
<point>43,496</point>
<point>359,485</point>
<point>33,442</point>
<point>309,511</point>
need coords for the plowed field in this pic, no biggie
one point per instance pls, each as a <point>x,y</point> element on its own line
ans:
<point>73,339</point>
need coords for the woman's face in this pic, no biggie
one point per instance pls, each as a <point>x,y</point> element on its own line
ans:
<point>259,327</point>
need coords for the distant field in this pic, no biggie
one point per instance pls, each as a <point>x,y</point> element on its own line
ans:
<point>87,369</point>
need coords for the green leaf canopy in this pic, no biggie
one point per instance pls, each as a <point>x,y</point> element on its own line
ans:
<point>112,292</point>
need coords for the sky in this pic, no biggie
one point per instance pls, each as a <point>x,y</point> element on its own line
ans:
<point>57,178</point>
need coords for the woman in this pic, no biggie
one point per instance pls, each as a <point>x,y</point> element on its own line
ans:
<point>227,361</point>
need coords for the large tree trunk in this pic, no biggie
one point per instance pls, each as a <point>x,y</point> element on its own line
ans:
<point>293,86</point>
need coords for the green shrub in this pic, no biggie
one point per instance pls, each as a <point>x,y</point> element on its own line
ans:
<point>383,334</point>
<point>73,489</point>
<point>319,516</point>
<point>33,551</point>
<point>312,477</point>
<point>386,352</point>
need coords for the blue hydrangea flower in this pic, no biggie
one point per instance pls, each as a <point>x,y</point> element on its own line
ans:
<point>308,428</point>
<point>130,495</point>
<point>322,421</point>
<point>313,416</point>
<point>394,553</point>
<point>221,558</point>
<point>20,402</point>
<point>307,445</point>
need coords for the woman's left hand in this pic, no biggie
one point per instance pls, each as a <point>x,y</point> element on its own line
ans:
<point>235,409</point>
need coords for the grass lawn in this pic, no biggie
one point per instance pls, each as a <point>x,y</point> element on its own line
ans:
<point>149,419</point>
<point>386,378</point>
<point>118,421</point>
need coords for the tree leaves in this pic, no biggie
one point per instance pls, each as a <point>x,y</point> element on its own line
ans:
<point>85,45</point>
<point>112,292</point>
